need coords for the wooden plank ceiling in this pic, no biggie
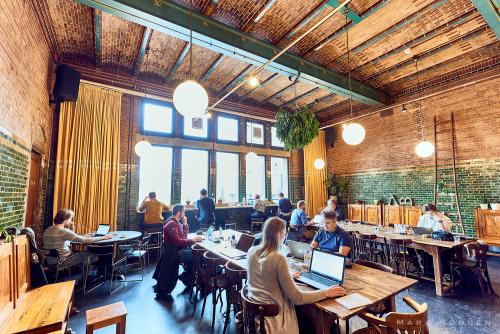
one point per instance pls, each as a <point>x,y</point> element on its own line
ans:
<point>450,38</point>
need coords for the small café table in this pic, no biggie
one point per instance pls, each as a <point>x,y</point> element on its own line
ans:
<point>374,284</point>
<point>120,236</point>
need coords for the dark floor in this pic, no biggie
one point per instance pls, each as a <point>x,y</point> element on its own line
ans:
<point>466,312</point>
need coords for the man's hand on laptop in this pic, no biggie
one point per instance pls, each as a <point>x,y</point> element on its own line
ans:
<point>335,291</point>
<point>198,238</point>
<point>107,236</point>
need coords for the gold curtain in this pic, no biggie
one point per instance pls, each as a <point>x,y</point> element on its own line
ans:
<point>88,157</point>
<point>315,190</point>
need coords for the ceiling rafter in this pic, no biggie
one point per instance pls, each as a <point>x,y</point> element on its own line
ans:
<point>178,62</point>
<point>301,96</point>
<point>212,67</point>
<point>97,36</point>
<point>490,10</point>
<point>146,37</point>
<point>262,85</point>
<point>278,93</point>
<point>240,77</point>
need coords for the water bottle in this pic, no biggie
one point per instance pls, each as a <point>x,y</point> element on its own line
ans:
<point>220,232</point>
<point>308,257</point>
<point>209,232</point>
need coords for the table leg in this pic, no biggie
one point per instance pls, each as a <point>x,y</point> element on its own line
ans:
<point>322,320</point>
<point>390,304</point>
<point>438,273</point>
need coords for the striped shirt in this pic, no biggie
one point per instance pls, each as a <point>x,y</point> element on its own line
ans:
<point>60,239</point>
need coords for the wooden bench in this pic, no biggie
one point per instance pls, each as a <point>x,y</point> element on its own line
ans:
<point>42,310</point>
<point>107,315</point>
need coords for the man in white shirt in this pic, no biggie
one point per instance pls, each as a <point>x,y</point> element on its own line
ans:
<point>259,208</point>
<point>434,219</point>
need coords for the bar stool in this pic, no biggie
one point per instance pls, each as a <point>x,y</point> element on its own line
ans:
<point>366,248</point>
<point>252,310</point>
<point>104,316</point>
<point>235,276</point>
<point>217,281</point>
<point>229,225</point>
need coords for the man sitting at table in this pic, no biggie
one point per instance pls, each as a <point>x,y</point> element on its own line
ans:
<point>206,209</point>
<point>259,208</point>
<point>152,209</point>
<point>434,219</point>
<point>175,250</point>
<point>332,238</point>
<point>298,223</point>
<point>284,208</point>
<point>331,205</point>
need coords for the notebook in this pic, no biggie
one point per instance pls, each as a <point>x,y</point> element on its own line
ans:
<point>353,300</point>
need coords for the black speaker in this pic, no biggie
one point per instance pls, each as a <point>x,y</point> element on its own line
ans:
<point>67,83</point>
<point>329,136</point>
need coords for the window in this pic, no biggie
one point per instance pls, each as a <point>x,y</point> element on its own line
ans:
<point>275,141</point>
<point>255,178</point>
<point>196,127</point>
<point>194,174</point>
<point>255,133</point>
<point>279,177</point>
<point>155,174</point>
<point>227,129</point>
<point>227,187</point>
<point>157,118</point>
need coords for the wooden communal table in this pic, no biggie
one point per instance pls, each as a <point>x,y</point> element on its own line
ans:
<point>376,285</point>
<point>42,310</point>
<point>433,247</point>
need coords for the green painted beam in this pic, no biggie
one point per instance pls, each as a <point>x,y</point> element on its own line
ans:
<point>97,31</point>
<point>212,68</point>
<point>306,94</point>
<point>142,49</point>
<point>350,14</point>
<point>179,61</point>
<point>173,19</point>
<point>490,10</point>
<point>240,77</point>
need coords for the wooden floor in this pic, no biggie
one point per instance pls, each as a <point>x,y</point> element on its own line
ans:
<point>467,312</point>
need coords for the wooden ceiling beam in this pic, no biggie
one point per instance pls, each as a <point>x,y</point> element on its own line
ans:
<point>173,19</point>
<point>490,9</point>
<point>146,37</point>
<point>179,61</point>
<point>212,68</point>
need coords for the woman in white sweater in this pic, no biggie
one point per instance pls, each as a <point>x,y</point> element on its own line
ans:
<point>270,281</point>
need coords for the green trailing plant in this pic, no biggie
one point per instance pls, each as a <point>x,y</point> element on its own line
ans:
<point>334,185</point>
<point>296,128</point>
<point>6,236</point>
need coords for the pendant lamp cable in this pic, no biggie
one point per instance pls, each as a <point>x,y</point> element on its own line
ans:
<point>191,39</point>
<point>348,61</point>
<point>420,116</point>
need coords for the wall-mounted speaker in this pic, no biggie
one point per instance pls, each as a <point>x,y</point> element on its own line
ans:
<point>67,83</point>
<point>329,136</point>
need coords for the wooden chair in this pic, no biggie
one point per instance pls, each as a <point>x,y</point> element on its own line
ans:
<point>366,247</point>
<point>256,223</point>
<point>235,277</point>
<point>200,281</point>
<point>478,266</point>
<point>398,255</point>
<point>251,310</point>
<point>104,316</point>
<point>397,323</point>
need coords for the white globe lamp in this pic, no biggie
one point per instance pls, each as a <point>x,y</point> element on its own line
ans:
<point>353,133</point>
<point>190,99</point>
<point>424,149</point>
<point>142,148</point>
<point>319,163</point>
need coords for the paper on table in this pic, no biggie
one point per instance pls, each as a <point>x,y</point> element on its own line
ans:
<point>353,300</point>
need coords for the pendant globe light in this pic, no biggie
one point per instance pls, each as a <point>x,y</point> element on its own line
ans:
<point>143,147</point>
<point>353,133</point>
<point>319,163</point>
<point>190,98</point>
<point>424,148</point>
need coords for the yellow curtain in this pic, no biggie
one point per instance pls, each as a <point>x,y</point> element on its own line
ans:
<point>88,157</point>
<point>315,190</point>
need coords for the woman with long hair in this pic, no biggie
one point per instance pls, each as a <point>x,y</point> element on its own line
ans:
<point>270,281</point>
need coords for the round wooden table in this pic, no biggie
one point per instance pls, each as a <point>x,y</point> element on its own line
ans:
<point>120,236</point>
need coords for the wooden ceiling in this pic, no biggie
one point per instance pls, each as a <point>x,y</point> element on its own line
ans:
<point>450,37</point>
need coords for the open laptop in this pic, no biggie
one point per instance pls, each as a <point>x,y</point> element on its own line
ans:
<point>298,249</point>
<point>102,230</point>
<point>241,249</point>
<point>327,269</point>
<point>421,230</point>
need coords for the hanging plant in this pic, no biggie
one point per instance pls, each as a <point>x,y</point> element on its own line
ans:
<point>296,128</point>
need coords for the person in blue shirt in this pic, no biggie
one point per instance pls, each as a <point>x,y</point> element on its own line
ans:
<point>284,208</point>
<point>206,209</point>
<point>299,223</point>
<point>332,205</point>
<point>333,238</point>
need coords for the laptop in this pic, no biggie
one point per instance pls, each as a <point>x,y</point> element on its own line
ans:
<point>241,249</point>
<point>421,230</point>
<point>102,230</point>
<point>327,269</point>
<point>298,249</point>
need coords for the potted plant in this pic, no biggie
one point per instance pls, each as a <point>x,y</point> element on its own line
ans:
<point>484,203</point>
<point>219,202</point>
<point>296,128</point>
<point>4,235</point>
<point>336,187</point>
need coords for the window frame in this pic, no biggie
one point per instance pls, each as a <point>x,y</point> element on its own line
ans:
<point>171,177</point>
<point>263,134</point>
<point>263,195</point>
<point>190,137</point>
<point>216,128</point>
<point>287,171</point>
<point>162,104</point>
<point>208,170</point>
<point>239,170</point>
<point>282,148</point>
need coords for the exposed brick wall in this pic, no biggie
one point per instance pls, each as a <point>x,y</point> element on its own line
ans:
<point>385,162</point>
<point>26,74</point>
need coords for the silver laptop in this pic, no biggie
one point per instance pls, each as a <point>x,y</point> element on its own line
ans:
<point>298,249</point>
<point>327,269</point>
<point>242,247</point>
<point>102,230</point>
<point>421,230</point>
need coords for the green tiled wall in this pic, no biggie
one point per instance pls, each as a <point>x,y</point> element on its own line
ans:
<point>474,179</point>
<point>13,183</point>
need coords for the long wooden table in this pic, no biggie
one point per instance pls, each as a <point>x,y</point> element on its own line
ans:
<point>376,285</point>
<point>433,247</point>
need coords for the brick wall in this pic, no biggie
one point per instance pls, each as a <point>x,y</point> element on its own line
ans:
<point>385,162</point>
<point>25,115</point>
<point>128,188</point>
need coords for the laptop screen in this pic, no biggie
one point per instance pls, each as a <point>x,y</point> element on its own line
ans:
<point>330,265</point>
<point>245,242</point>
<point>102,230</point>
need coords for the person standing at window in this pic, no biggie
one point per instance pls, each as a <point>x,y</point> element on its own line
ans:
<point>152,209</point>
<point>259,208</point>
<point>206,209</point>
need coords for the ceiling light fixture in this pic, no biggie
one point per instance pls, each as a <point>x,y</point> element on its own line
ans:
<point>424,148</point>
<point>353,133</point>
<point>190,98</point>
<point>319,163</point>
<point>253,81</point>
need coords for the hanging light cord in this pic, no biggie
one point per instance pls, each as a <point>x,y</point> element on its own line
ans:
<point>420,116</point>
<point>191,39</point>
<point>348,62</point>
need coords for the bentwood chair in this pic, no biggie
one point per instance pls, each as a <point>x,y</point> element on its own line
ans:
<point>366,247</point>
<point>395,322</point>
<point>399,256</point>
<point>252,310</point>
<point>478,266</point>
<point>200,278</point>
<point>235,277</point>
